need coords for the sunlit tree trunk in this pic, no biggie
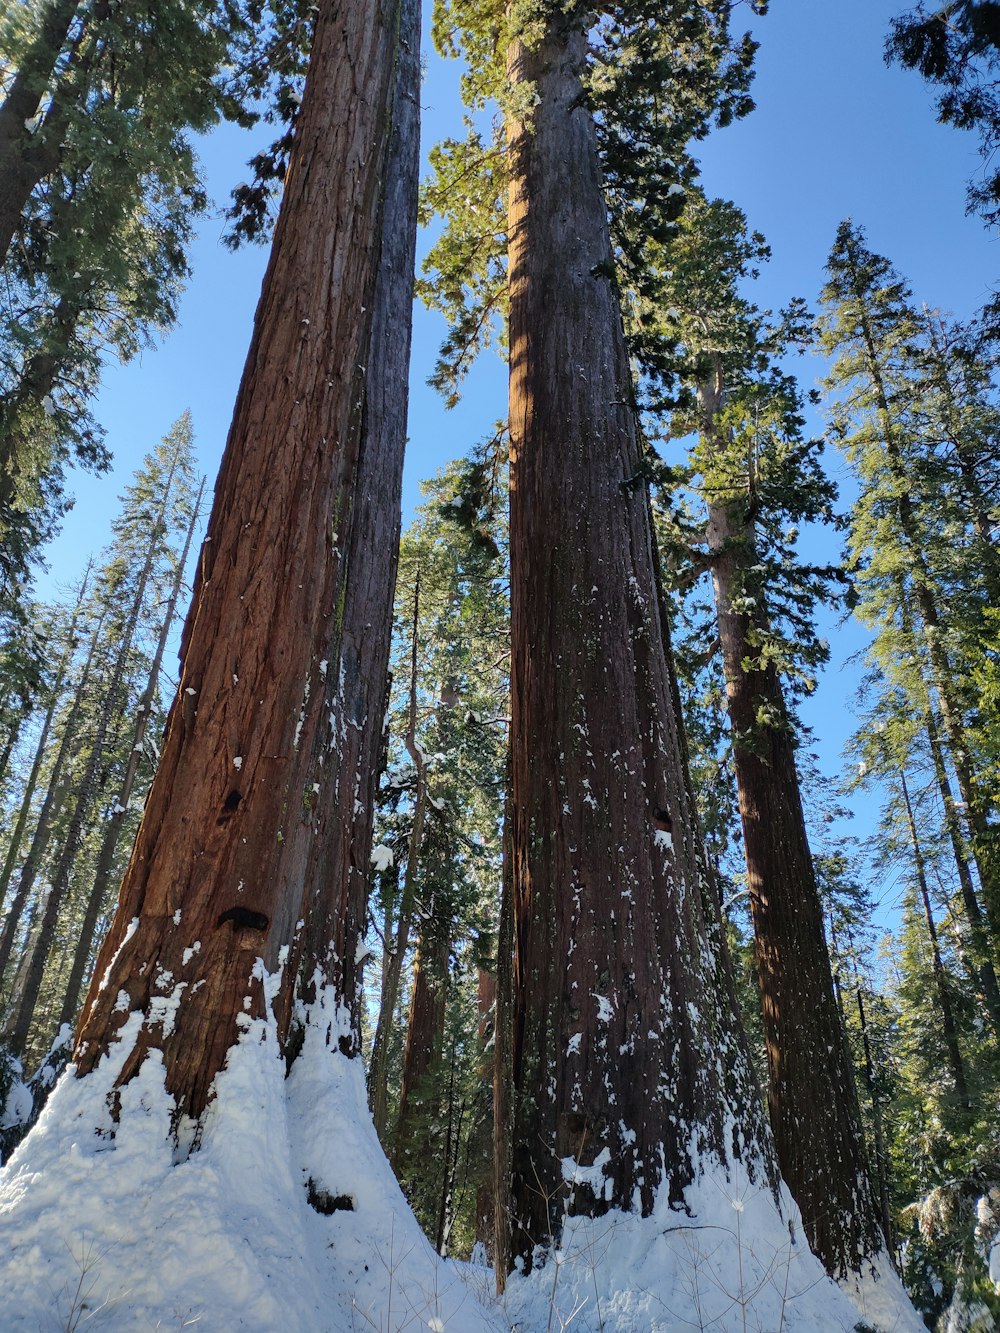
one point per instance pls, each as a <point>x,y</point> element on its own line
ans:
<point>233,854</point>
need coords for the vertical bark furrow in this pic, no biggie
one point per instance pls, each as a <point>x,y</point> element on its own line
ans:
<point>230,849</point>
<point>618,989</point>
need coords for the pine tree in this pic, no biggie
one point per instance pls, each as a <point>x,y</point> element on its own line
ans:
<point>115,822</point>
<point>915,552</point>
<point>447,744</point>
<point>99,189</point>
<point>128,584</point>
<point>956,47</point>
<point>759,479</point>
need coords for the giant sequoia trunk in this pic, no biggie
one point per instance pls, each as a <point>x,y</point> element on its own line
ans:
<point>826,1168</point>
<point>250,851</point>
<point>620,983</point>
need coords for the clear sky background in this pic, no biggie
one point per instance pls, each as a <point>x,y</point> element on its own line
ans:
<point>836,133</point>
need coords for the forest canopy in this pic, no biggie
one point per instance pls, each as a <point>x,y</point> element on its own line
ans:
<point>523,851</point>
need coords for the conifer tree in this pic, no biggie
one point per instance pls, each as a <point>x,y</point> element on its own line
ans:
<point>129,585</point>
<point>55,797</point>
<point>608,875</point>
<point>955,45</point>
<point>758,480</point>
<point>114,824</point>
<point>99,189</point>
<point>259,786</point>
<point>914,547</point>
<point>31,781</point>
<point>447,746</point>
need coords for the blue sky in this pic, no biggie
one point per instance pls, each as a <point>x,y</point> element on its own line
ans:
<point>835,133</point>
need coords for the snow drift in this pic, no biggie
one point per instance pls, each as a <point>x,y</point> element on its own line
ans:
<point>286,1216</point>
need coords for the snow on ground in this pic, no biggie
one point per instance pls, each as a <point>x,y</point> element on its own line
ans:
<point>226,1239</point>
<point>115,1231</point>
<point>730,1267</point>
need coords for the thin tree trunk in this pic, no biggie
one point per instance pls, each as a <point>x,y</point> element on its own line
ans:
<point>940,668</point>
<point>618,965</point>
<point>878,1128</point>
<point>392,966</point>
<point>51,807</point>
<point>452,1138</point>
<point>826,1169</point>
<point>949,1030</point>
<point>424,1036</point>
<point>231,852</point>
<point>115,822</point>
<point>485,1194</point>
<point>17,834</point>
<point>31,972</point>
<point>978,933</point>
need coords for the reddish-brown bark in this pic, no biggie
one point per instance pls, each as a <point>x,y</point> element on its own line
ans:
<point>812,1098</point>
<point>233,849</point>
<point>619,981</point>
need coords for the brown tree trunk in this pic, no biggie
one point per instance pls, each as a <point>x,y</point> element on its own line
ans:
<point>115,821</point>
<point>949,1029</point>
<point>424,1033</point>
<point>232,851</point>
<point>826,1169</point>
<point>619,972</point>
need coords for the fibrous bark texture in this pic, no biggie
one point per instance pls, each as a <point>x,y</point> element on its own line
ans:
<point>627,1049</point>
<point>812,1098</point>
<point>238,859</point>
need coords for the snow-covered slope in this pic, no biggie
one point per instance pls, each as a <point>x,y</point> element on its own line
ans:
<point>115,1230</point>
